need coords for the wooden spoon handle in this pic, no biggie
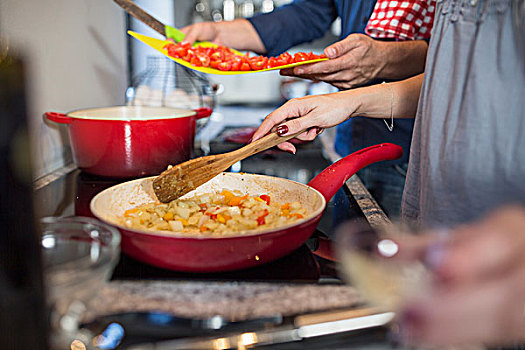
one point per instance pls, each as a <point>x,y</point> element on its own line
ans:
<point>268,141</point>
<point>142,15</point>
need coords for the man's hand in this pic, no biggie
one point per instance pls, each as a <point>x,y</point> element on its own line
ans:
<point>359,59</point>
<point>353,61</point>
<point>238,34</point>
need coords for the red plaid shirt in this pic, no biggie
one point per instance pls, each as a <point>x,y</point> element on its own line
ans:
<point>402,19</point>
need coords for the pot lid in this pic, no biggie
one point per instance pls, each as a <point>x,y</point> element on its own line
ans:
<point>131,113</point>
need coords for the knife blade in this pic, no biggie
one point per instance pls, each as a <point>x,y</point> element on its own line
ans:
<point>163,29</point>
<point>277,335</point>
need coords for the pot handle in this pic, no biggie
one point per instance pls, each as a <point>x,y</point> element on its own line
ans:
<point>58,117</point>
<point>332,178</point>
<point>203,112</point>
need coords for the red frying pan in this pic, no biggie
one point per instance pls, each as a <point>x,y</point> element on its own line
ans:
<point>240,250</point>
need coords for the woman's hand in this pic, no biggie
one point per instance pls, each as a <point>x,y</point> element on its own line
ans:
<point>311,113</point>
<point>479,292</point>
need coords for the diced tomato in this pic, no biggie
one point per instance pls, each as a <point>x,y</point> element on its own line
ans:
<point>272,62</point>
<point>265,198</point>
<point>284,58</point>
<point>195,62</point>
<point>261,219</point>
<point>258,63</point>
<point>236,65</point>
<point>225,66</point>
<point>205,59</point>
<point>300,57</point>
<point>185,44</point>
<point>217,55</point>
<point>203,206</point>
<point>212,216</point>
<point>225,59</point>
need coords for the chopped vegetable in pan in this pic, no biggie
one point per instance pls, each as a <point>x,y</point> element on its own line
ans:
<point>214,214</point>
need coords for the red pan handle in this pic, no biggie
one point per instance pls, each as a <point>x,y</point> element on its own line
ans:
<point>332,178</point>
<point>58,117</point>
<point>203,112</point>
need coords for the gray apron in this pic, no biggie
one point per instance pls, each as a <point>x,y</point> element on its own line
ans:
<point>468,146</point>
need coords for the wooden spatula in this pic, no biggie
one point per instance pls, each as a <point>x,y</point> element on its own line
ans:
<point>185,177</point>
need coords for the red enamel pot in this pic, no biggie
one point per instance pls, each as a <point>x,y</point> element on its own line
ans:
<point>130,141</point>
<point>178,252</point>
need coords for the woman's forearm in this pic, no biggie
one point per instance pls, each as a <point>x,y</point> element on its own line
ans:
<point>397,99</point>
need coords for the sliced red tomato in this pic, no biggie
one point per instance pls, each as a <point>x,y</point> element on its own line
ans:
<point>194,61</point>
<point>300,57</point>
<point>272,62</point>
<point>258,63</point>
<point>224,59</point>
<point>214,64</point>
<point>185,44</point>
<point>217,55</point>
<point>204,59</point>
<point>284,58</point>
<point>224,66</point>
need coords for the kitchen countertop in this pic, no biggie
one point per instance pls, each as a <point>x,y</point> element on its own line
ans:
<point>232,298</point>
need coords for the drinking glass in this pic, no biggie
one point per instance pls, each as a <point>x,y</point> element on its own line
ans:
<point>370,260</point>
<point>79,255</point>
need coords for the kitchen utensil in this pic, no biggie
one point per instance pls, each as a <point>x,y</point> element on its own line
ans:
<point>185,177</point>
<point>130,141</point>
<point>245,249</point>
<point>321,325</point>
<point>78,256</point>
<point>163,29</point>
<point>369,260</point>
<point>163,83</point>
<point>159,44</point>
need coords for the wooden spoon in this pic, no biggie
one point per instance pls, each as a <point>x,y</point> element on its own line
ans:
<point>185,177</point>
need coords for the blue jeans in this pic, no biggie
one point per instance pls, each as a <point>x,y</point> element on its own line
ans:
<point>386,183</point>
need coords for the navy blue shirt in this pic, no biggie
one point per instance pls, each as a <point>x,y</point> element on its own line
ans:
<point>306,20</point>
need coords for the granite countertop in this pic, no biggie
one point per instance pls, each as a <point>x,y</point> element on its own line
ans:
<point>231,300</point>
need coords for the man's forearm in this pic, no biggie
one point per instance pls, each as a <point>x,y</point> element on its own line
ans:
<point>403,59</point>
<point>241,35</point>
